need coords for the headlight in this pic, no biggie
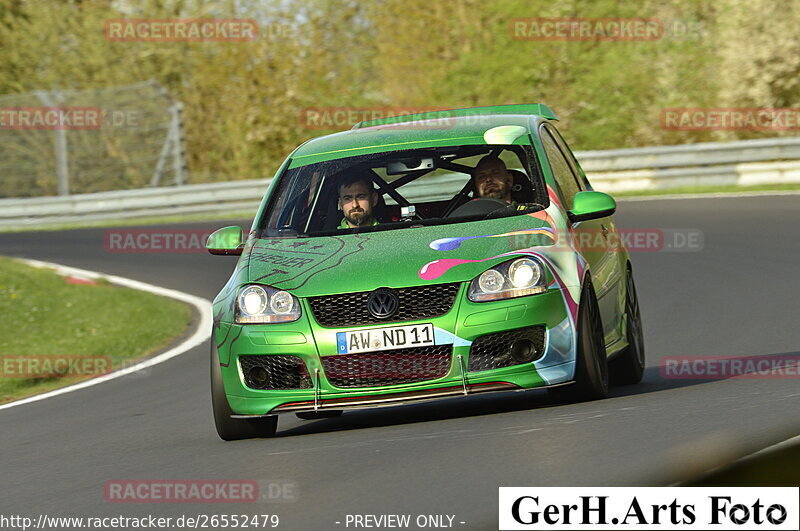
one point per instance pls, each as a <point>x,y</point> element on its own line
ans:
<point>264,304</point>
<point>491,281</point>
<point>282,303</point>
<point>524,273</point>
<point>253,300</point>
<point>520,277</point>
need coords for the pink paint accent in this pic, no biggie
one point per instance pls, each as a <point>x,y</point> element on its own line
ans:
<point>581,264</point>
<point>571,304</point>
<point>542,215</point>
<point>450,244</point>
<point>437,268</point>
<point>553,197</point>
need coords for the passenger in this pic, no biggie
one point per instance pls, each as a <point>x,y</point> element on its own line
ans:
<point>357,200</point>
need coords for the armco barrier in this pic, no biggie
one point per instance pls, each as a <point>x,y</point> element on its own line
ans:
<point>236,196</point>
<point>741,163</point>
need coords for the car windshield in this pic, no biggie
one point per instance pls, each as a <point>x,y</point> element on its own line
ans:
<point>401,189</point>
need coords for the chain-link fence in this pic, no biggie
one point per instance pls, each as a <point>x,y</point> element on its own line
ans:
<point>63,142</point>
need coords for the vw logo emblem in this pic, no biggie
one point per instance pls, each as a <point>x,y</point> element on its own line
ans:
<point>383,303</point>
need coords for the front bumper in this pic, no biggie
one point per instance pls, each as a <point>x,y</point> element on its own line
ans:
<point>464,323</point>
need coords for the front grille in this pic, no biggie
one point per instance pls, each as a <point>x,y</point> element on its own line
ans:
<point>279,372</point>
<point>391,367</point>
<point>350,309</point>
<point>492,351</point>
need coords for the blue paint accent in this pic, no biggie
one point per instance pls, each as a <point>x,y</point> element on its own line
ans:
<point>449,244</point>
<point>557,373</point>
<point>443,337</point>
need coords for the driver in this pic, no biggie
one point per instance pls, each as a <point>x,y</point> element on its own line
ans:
<point>490,178</point>
<point>357,199</point>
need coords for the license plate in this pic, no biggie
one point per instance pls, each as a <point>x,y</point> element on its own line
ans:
<point>385,338</point>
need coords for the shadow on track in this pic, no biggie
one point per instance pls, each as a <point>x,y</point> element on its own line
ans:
<point>654,381</point>
<point>713,368</point>
<point>471,406</point>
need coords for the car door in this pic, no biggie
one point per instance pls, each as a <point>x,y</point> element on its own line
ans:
<point>591,236</point>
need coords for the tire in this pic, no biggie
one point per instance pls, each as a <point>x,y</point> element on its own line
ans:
<point>628,367</point>
<point>313,415</point>
<point>591,367</point>
<point>234,429</point>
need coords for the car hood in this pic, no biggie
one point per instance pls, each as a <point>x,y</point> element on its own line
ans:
<point>394,258</point>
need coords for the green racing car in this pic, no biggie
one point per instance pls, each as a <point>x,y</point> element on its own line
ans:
<point>422,257</point>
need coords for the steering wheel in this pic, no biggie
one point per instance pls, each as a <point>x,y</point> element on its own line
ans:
<point>453,203</point>
<point>483,206</point>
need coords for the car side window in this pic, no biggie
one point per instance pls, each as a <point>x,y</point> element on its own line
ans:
<point>561,169</point>
<point>582,180</point>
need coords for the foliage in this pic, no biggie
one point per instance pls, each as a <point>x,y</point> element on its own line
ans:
<point>243,100</point>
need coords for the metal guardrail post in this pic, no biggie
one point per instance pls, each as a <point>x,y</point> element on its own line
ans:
<point>173,147</point>
<point>62,162</point>
<point>178,159</point>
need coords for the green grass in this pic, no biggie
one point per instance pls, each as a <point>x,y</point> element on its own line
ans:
<point>43,315</point>
<point>709,190</point>
<point>773,469</point>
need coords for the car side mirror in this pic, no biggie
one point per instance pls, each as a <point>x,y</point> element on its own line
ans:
<point>588,205</point>
<point>226,241</point>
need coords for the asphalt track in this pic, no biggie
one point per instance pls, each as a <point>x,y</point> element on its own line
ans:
<point>737,297</point>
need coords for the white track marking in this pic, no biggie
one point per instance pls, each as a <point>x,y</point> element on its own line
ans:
<point>201,334</point>
<point>769,449</point>
<point>745,458</point>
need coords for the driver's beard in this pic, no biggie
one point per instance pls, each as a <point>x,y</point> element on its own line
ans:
<point>356,219</point>
<point>497,193</point>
